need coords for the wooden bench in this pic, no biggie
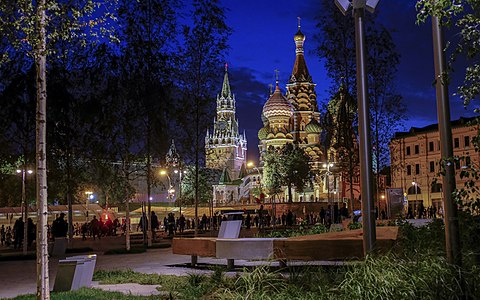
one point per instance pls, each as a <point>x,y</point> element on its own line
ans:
<point>327,246</point>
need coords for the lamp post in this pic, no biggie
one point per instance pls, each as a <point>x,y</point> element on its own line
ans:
<point>415,184</point>
<point>89,197</point>
<point>452,235</point>
<point>251,165</point>
<point>327,167</point>
<point>24,207</point>
<point>366,176</point>
<point>180,172</point>
<point>380,207</point>
<point>170,190</point>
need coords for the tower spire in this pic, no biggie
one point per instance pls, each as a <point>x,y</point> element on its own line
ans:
<point>226,92</point>
<point>300,71</point>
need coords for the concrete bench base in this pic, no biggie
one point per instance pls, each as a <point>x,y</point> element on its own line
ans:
<point>328,246</point>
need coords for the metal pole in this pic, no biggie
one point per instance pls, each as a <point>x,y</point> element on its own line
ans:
<point>366,178</point>
<point>416,197</point>
<point>24,203</point>
<point>452,239</point>
<point>180,192</point>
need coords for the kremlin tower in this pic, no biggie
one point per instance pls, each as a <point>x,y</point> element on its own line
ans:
<point>225,148</point>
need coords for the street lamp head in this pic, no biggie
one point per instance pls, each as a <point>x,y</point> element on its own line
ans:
<point>371,5</point>
<point>175,171</point>
<point>19,171</point>
<point>29,171</point>
<point>414,183</point>
<point>250,164</point>
<point>324,165</point>
<point>343,5</point>
<point>163,172</point>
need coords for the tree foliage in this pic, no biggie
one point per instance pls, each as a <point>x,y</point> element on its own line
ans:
<point>287,166</point>
<point>464,17</point>
<point>206,179</point>
<point>387,112</point>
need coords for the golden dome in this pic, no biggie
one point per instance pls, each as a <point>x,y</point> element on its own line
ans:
<point>299,36</point>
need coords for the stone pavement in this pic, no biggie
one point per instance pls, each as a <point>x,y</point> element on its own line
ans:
<point>19,277</point>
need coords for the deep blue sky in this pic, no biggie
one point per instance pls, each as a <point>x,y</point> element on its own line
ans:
<point>262,41</point>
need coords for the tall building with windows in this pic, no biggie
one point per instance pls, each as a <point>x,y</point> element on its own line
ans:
<point>415,157</point>
<point>225,147</point>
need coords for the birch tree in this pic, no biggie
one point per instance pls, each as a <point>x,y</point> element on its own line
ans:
<point>205,48</point>
<point>30,27</point>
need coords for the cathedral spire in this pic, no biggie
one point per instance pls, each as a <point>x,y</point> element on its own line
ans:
<point>172,158</point>
<point>226,92</point>
<point>300,71</point>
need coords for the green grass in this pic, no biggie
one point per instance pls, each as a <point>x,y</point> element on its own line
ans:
<point>415,269</point>
<point>94,294</point>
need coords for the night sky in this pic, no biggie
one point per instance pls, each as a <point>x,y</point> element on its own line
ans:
<point>262,41</point>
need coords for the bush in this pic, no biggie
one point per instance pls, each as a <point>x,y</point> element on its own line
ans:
<point>391,277</point>
<point>354,225</point>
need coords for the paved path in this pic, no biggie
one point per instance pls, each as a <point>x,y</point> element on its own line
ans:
<point>19,277</point>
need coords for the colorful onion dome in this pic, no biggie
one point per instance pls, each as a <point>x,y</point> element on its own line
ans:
<point>277,105</point>
<point>313,127</point>
<point>262,133</point>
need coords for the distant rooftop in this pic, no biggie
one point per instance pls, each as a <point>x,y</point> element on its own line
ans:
<point>434,127</point>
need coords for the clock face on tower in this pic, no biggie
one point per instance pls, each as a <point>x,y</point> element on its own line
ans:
<point>222,125</point>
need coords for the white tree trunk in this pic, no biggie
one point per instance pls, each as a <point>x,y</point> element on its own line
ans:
<point>127,224</point>
<point>43,287</point>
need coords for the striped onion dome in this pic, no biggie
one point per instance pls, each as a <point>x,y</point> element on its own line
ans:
<point>277,105</point>
<point>313,127</point>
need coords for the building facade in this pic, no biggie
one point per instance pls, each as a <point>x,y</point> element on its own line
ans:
<point>294,118</point>
<point>415,157</point>
<point>225,147</point>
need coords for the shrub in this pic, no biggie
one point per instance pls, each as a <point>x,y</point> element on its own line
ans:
<point>354,225</point>
<point>391,277</point>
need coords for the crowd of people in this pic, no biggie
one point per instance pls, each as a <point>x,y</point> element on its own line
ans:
<point>97,228</point>
<point>422,212</point>
<point>15,236</point>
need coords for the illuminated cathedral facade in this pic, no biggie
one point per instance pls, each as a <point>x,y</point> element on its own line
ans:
<point>294,118</point>
<point>288,118</point>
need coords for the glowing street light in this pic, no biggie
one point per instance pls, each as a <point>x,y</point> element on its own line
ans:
<point>164,172</point>
<point>24,207</point>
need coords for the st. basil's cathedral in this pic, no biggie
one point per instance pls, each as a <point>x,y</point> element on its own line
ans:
<point>290,118</point>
